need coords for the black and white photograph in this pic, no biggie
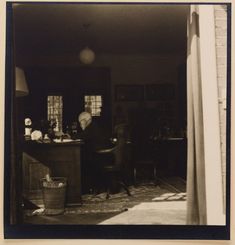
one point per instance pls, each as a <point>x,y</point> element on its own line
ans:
<point>117,118</point>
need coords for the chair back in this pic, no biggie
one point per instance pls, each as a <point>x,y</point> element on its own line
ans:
<point>120,152</point>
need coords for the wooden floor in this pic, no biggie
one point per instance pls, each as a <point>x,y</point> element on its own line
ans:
<point>145,206</point>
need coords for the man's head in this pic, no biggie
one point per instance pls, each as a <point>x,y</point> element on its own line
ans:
<point>84,119</point>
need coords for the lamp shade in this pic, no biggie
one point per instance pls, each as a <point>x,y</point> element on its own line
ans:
<point>21,85</point>
<point>87,56</point>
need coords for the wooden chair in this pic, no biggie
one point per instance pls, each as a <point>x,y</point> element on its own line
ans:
<point>113,170</point>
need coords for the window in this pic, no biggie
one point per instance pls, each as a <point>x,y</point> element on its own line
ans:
<point>55,110</point>
<point>93,104</point>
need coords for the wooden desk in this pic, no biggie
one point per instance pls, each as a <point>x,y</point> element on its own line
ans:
<point>58,159</point>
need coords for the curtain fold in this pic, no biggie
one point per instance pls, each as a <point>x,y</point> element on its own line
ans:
<point>196,195</point>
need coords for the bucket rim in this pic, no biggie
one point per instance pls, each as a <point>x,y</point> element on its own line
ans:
<point>55,179</point>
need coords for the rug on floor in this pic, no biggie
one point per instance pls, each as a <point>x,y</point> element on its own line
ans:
<point>120,202</point>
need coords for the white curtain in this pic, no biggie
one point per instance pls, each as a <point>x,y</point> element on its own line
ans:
<point>196,193</point>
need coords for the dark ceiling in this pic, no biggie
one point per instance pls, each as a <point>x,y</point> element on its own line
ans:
<point>52,29</point>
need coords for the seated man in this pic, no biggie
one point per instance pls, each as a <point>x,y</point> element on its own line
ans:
<point>94,139</point>
<point>92,135</point>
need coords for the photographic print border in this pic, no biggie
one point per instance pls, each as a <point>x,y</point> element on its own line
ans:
<point>24,231</point>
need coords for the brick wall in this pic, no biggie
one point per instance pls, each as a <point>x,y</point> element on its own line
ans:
<point>220,12</point>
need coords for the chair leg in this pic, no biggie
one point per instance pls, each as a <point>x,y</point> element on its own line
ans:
<point>118,181</point>
<point>107,186</point>
<point>154,172</point>
<point>135,177</point>
<point>107,194</point>
<point>125,188</point>
<point>155,175</point>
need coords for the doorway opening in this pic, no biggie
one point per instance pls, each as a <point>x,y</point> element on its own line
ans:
<point>138,80</point>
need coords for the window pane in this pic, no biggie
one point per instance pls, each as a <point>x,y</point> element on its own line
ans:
<point>98,98</point>
<point>93,104</point>
<point>55,110</point>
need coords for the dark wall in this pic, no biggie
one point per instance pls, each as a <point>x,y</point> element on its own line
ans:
<point>145,116</point>
<point>70,82</point>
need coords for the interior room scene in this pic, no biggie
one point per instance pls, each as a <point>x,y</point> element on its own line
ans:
<point>101,116</point>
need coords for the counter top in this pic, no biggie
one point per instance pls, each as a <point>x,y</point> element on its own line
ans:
<point>56,142</point>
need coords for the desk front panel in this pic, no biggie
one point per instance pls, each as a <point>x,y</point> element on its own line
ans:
<point>60,160</point>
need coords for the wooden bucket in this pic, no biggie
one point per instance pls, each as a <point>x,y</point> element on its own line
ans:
<point>54,195</point>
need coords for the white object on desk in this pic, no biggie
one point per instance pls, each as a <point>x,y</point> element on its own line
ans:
<point>28,131</point>
<point>62,141</point>
<point>36,135</point>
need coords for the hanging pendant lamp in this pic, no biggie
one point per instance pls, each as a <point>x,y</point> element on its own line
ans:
<point>87,55</point>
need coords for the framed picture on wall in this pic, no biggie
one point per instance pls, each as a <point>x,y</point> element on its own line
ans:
<point>163,91</point>
<point>129,92</point>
